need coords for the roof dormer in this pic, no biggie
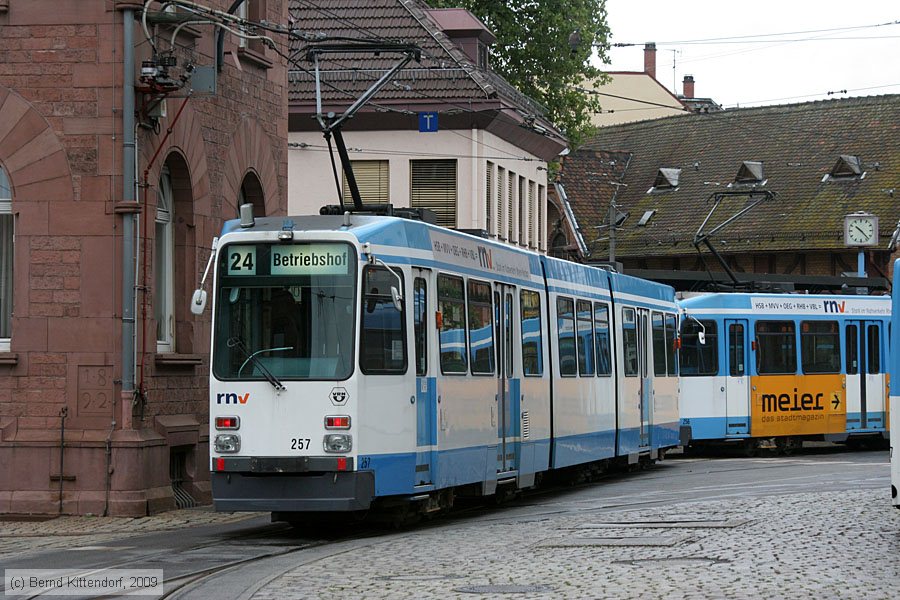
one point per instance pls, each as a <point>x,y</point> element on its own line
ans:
<point>846,168</point>
<point>467,32</point>
<point>666,180</point>
<point>751,172</point>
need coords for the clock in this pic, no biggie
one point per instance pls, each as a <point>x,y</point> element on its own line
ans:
<point>860,229</point>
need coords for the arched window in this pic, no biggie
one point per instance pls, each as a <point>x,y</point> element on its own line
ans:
<point>251,192</point>
<point>7,239</point>
<point>164,265</point>
<point>558,246</point>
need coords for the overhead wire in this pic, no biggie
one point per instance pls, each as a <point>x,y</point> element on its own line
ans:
<point>736,38</point>
<point>862,89</point>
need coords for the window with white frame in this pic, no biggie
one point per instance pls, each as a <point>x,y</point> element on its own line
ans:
<point>255,12</point>
<point>163,267</point>
<point>7,240</point>
<point>241,11</point>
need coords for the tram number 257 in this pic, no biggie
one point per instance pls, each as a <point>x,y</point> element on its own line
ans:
<point>299,443</point>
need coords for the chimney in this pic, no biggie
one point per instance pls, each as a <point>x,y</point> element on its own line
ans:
<point>689,86</point>
<point>650,59</point>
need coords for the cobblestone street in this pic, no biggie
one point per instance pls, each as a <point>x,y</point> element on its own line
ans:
<point>813,526</point>
<point>831,545</point>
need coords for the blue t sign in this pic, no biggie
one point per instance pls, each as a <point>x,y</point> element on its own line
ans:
<point>428,122</point>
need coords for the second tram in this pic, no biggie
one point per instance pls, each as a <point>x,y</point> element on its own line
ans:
<point>773,370</point>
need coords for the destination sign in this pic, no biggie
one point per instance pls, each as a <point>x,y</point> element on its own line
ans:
<point>310,259</point>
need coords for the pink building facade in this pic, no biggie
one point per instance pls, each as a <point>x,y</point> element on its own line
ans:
<point>103,390</point>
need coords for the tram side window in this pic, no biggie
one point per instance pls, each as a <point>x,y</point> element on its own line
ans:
<point>601,327</point>
<point>584,321</point>
<point>671,328</point>
<point>659,343</point>
<point>565,323</point>
<point>481,328</point>
<point>629,342</point>
<point>452,306</point>
<point>851,335</point>
<point>383,338</point>
<point>776,352</point>
<point>874,349</point>
<point>532,351</point>
<point>736,366</point>
<point>420,322</point>
<point>820,347</point>
<point>698,359</point>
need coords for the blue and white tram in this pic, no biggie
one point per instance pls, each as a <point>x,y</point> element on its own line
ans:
<point>360,360</point>
<point>773,370</point>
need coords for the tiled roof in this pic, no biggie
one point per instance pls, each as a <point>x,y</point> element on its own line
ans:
<point>444,76</point>
<point>591,174</point>
<point>797,144</point>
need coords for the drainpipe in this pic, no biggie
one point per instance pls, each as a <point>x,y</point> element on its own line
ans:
<point>128,195</point>
<point>62,452</point>
<point>220,37</point>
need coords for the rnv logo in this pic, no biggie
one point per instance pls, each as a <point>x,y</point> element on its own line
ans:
<point>833,306</point>
<point>232,398</point>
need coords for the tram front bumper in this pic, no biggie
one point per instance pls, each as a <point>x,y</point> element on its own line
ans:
<point>275,486</point>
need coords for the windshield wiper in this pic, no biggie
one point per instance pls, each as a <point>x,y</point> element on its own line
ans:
<point>238,343</point>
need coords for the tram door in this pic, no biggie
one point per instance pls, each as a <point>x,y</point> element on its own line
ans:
<point>865,376</point>
<point>644,344</point>
<point>508,393</point>
<point>737,382</point>
<point>426,387</point>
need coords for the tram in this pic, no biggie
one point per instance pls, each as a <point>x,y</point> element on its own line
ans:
<point>361,361</point>
<point>894,421</point>
<point>773,370</point>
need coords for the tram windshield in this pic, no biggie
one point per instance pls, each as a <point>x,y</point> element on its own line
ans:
<point>285,311</point>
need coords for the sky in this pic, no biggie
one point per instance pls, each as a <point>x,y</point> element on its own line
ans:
<point>771,70</point>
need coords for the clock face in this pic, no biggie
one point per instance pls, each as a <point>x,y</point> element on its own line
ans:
<point>861,231</point>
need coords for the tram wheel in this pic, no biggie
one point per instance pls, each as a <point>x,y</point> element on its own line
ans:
<point>750,448</point>
<point>787,445</point>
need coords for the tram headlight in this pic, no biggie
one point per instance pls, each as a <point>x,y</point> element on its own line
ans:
<point>338,442</point>
<point>228,443</point>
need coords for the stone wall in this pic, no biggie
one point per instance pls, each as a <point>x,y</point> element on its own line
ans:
<point>61,99</point>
